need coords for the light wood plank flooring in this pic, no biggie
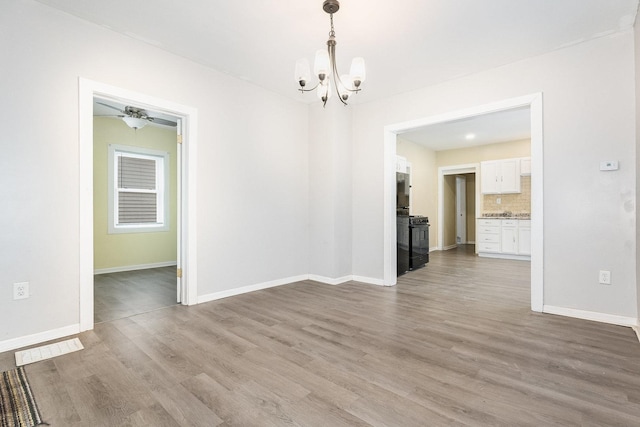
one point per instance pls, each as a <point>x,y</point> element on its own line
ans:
<point>127,293</point>
<point>453,344</point>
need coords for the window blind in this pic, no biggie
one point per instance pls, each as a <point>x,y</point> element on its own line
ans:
<point>137,207</point>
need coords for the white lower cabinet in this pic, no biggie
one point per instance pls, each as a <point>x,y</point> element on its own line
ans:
<point>505,238</point>
<point>488,235</point>
<point>524,237</point>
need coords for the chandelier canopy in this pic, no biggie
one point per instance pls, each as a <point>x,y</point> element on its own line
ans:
<point>325,67</point>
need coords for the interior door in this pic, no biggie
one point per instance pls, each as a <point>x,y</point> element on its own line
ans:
<point>461,210</point>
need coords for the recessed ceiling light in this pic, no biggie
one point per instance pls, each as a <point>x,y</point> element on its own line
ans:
<point>470,136</point>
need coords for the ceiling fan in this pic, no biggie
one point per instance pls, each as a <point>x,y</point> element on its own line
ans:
<point>137,118</point>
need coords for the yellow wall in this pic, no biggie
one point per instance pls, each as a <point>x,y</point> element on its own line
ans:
<point>502,150</point>
<point>130,249</point>
<point>424,179</point>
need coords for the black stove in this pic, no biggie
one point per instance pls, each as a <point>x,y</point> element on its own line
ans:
<point>412,242</point>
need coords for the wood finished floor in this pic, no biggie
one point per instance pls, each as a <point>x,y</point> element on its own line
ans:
<point>453,344</point>
<point>127,293</point>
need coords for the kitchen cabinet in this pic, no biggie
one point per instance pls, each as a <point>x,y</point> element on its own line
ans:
<point>488,235</point>
<point>509,236</point>
<point>500,176</point>
<point>504,238</point>
<point>524,237</point>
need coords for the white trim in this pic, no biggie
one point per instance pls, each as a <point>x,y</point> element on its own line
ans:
<point>38,338</point>
<point>345,279</point>
<point>134,267</point>
<point>251,288</point>
<point>534,102</point>
<point>447,248</point>
<point>368,280</point>
<point>88,89</point>
<point>505,256</point>
<point>280,282</point>
<point>591,315</point>
<point>454,170</point>
<point>161,160</point>
<point>636,330</point>
<point>329,281</point>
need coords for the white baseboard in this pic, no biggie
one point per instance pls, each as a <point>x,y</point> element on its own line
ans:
<point>368,280</point>
<point>446,248</point>
<point>27,340</point>
<point>435,248</point>
<point>259,286</point>
<point>591,315</point>
<point>330,281</point>
<point>251,288</point>
<point>505,256</point>
<point>134,267</point>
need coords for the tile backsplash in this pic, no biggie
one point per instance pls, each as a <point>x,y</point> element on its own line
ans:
<point>519,203</point>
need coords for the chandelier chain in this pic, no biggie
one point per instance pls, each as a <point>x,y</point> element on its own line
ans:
<point>332,33</point>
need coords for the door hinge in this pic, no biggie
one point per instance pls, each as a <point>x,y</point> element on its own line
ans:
<point>179,273</point>
<point>179,139</point>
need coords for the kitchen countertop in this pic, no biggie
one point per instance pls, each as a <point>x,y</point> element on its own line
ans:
<point>505,215</point>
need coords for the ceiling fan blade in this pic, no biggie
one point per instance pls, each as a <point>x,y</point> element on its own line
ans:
<point>110,106</point>
<point>162,121</point>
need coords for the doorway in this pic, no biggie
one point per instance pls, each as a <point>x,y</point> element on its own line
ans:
<point>186,192</point>
<point>449,228</point>
<point>135,210</point>
<point>534,104</point>
<point>461,209</point>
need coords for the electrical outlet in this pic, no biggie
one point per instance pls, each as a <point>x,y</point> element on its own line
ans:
<point>21,290</point>
<point>498,201</point>
<point>605,277</point>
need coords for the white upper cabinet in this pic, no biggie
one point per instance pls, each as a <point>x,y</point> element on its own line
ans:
<point>500,176</point>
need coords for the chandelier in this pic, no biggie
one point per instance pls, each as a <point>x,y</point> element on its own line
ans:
<point>325,67</point>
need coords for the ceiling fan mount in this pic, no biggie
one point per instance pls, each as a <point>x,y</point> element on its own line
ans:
<point>137,118</point>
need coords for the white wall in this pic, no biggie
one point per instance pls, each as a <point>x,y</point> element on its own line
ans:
<point>589,116</point>
<point>252,163</point>
<point>330,193</point>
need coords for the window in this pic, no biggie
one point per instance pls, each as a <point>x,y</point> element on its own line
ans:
<point>138,190</point>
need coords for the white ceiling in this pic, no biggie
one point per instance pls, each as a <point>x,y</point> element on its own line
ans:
<point>502,126</point>
<point>406,44</point>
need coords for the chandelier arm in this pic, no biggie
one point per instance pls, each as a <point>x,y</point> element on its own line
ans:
<point>336,77</point>
<point>309,90</point>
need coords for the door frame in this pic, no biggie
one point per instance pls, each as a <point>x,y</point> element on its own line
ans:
<point>461,209</point>
<point>535,104</point>
<point>188,116</point>
<point>453,170</point>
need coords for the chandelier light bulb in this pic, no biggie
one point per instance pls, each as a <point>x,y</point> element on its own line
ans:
<point>321,66</point>
<point>358,72</point>
<point>303,71</point>
<point>324,91</point>
<point>345,86</point>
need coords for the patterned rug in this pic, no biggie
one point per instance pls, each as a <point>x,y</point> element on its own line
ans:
<point>17,405</point>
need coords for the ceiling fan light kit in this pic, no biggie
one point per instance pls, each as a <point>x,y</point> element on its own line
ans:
<point>325,67</point>
<point>134,122</point>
